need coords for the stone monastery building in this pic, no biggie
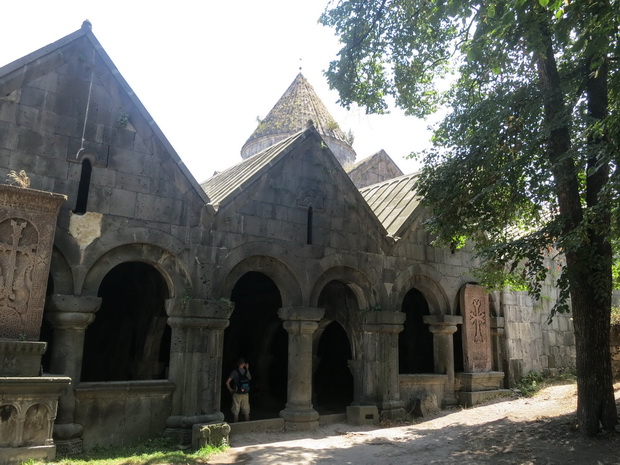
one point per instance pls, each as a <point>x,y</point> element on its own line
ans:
<point>312,265</point>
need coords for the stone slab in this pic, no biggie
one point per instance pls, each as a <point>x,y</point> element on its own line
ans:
<point>475,382</point>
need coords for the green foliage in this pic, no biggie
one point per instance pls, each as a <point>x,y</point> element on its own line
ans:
<point>524,166</point>
<point>511,142</point>
<point>153,451</point>
<point>534,381</point>
<point>529,384</point>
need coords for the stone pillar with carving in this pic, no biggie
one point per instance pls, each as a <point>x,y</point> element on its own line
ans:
<point>380,380</point>
<point>28,401</point>
<point>69,317</point>
<point>300,324</point>
<point>196,362</point>
<point>477,356</point>
<point>443,328</point>
<point>478,382</point>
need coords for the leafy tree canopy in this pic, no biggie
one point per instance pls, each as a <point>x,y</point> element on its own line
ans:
<point>526,163</point>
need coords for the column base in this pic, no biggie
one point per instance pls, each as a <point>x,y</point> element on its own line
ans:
<point>300,420</point>
<point>392,410</point>
<point>69,447</point>
<point>68,439</point>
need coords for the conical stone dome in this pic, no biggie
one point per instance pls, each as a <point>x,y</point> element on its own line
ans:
<point>294,111</point>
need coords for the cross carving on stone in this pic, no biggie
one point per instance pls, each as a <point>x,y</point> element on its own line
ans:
<point>478,319</point>
<point>8,280</point>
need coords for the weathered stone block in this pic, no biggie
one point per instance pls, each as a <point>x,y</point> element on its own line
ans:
<point>480,381</point>
<point>214,434</point>
<point>21,358</point>
<point>362,415</point>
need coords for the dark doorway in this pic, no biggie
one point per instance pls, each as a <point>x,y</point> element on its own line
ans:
<point>333,386</point>
<point>130,338</point>
<point>333,381</point>
<point>256,334</point>
<point>47,331</point>
<point>415,342</point>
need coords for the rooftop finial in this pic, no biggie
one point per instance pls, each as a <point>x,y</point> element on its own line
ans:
<point>87,25</point>
<point>300,60</point>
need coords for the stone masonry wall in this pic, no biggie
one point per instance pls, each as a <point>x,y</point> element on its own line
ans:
<point>531,343</point>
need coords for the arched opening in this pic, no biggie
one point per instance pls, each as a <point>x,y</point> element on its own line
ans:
<point>333,382</point>
<point>415,342</point>
<point>256,334</point>
<point>130,338</point>
<point>83,187</point>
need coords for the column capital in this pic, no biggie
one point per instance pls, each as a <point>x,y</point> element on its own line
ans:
<point>71,311</point>
<point>199,308</point>
<point>301,313</point>
<point>443,323</point>
<point>72,303</point>
<point>383,322</point>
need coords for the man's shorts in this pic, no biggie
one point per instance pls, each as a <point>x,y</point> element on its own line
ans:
<point>241,403</point>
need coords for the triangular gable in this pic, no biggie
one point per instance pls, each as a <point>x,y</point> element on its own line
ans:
<point>222,187</point>
<point>82,47</point>
<point>239,184</point>
<point>373,169</point>
<point>394,202</point>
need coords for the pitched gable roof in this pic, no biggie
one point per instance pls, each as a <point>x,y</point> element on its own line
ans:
<point>393,202</point>
<point>235,179</point>
<point>62,52</point>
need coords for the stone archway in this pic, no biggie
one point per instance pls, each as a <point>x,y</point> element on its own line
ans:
<point>256,333</point>
<point>129,339</point>
<point>415,342</point>
<point>333,381</point>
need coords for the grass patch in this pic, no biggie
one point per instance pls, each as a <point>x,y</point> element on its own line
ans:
<point>534,381</point>
<point>152,451</point>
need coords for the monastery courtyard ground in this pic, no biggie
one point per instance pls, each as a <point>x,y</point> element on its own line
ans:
<point>525,431</point>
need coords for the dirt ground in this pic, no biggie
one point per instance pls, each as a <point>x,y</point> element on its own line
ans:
<point>526,431</point>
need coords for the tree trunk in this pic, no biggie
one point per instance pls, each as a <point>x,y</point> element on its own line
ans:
<point>589,264</point>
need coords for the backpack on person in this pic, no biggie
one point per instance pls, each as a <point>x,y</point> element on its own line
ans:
<point>243,383</point>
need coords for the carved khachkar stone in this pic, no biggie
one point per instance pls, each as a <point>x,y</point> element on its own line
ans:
<point>477,356</point>
<point>27,226</point>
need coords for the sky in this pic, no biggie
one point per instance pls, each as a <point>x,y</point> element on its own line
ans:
<point>206,70</point>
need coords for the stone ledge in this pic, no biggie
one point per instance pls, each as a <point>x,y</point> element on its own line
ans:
<point>257,426</point>
<point>19,455</point>
<point>485,381</point>
<point>469,399</point>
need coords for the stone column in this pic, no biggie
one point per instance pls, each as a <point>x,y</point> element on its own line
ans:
<point>380,380</point>
<point>498,332</point>
<point>300,323</point>
<point>196,361</point>
<point>69,317</point>
<point>443,328</point>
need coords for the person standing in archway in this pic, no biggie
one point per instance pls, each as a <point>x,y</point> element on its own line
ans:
<point>238,384</point>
